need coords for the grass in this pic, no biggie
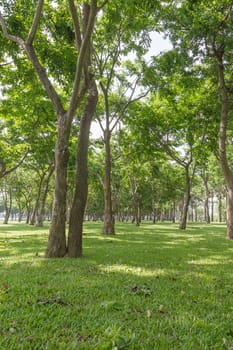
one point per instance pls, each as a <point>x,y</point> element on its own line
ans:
<point>152,287</point>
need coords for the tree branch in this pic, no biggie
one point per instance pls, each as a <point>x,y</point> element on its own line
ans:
<point>103,4</point>
<point>4,172</point>
<point>40,70</point>
<point>81,57</point>
<point>8,36</point>
<point>78,36</point>
<point>35,22</point>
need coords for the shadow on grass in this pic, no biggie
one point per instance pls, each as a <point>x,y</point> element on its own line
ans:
<point>152,287</point>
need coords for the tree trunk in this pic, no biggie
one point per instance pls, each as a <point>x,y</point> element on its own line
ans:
<point>207,194</point>
<point>187,198</point>
<point>228,175</point>
<point>28,213</point>
<point>220,207</point>
<point>137,210</point>
<point>212,207</point>
<point>109,224</point>
<point>174,212</point>
<point>229,212</point>
<point>81,186</point>
<point>195,214</point>
<point>7,205</point>
<point>109,227</point>
<point>36,205</point>
<point>57,237</point>
<point>41,210</point>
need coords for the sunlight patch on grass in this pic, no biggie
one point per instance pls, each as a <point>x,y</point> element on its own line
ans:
<point>137,271</point>
<point>152,287</point>
<point>216,260</point>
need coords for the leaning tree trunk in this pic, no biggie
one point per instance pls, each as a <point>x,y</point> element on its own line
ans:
<point>187,198</point>
<point>57,237</point>
<point>81,187</point>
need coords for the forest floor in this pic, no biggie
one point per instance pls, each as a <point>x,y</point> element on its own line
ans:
<point>148,287</point>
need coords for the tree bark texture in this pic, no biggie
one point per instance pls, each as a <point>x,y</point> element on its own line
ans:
<point>81,187</point>
<point>57,236</point>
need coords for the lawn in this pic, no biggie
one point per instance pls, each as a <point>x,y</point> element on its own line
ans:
<point>149,287</point>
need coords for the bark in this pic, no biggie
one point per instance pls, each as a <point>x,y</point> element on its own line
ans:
<point>228,175</point>
<point>57,237</point>
<point>81,188</point>
<point>187,198</point>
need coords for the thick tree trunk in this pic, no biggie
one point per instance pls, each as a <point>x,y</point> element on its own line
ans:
<point>81,186</point>
<point>57,237</point>
<point>187,198</point>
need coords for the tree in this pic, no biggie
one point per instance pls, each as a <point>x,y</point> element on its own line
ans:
<point>203,29</point>
<point>82,43</point>
<point>124,29</point>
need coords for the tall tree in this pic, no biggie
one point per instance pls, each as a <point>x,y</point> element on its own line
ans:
<point>83,20</point>
<point>204,29</point>
<point>124,30</point>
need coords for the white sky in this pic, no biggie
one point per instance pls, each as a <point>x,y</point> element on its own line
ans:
<point>158,45</point>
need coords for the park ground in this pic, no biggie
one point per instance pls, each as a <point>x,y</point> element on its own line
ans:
<point>148,287</point>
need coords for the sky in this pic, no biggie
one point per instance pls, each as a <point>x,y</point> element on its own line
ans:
<point>158,44</point>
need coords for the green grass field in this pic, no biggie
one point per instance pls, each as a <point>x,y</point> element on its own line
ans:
<point>152,287</point>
